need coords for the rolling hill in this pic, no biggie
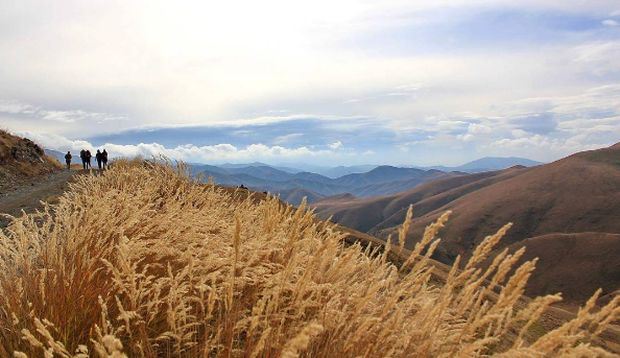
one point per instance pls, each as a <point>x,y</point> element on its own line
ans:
<point>173,267</point>
<point>341,170</point>
<point>378,181</point>
<point>495,163</point>
<point>574,195</point>
<point>296,196</point>
<point>359,180</point>
<point>237,243</point>
<point>589,259</point>
<point>489,164</point>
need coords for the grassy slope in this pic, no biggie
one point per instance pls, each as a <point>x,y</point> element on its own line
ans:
<point>159,265</point>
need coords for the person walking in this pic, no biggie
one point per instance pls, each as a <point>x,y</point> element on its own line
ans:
<point>99,158</point>
<point>83,157</point>
<point>88,157</point>
<point>104,159</point>
<point>68,157</point>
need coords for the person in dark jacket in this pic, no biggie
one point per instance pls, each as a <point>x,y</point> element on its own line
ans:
<point>99,158</point>
<point>83,157</point>
<point>104,159</point>
<point>68,157</point>
<point>88,157</point>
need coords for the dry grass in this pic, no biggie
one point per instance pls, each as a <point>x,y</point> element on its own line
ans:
<point>22,159</point>
<point>142,261</point>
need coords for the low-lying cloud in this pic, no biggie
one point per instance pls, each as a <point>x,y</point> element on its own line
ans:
<point>217,153</point>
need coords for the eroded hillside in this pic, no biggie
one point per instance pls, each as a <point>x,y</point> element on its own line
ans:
<point>21,158</point>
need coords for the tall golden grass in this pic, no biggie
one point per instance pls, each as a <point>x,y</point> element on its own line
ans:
<point>144,261</point>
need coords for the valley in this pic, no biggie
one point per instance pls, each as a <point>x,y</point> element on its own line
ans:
<point>360,181</point>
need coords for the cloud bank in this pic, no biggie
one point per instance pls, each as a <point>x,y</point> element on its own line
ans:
<point>404,81</point>
<point>219,153</point>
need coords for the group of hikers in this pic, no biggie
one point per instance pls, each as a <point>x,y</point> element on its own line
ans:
<point>85,156</point>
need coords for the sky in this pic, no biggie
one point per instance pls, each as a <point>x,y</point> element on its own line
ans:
<point>317,82</point>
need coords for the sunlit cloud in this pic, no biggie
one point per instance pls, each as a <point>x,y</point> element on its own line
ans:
<point>439,81</point>
<point>217,153</point>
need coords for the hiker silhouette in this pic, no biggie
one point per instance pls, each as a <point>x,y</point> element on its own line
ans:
<point>104,159</point>
<point>83,157</point>
<point>88,156</point>
<point>68,157</point>
<point>99,158</point>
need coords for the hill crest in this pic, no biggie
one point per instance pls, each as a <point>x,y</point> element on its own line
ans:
<point>22,158</point>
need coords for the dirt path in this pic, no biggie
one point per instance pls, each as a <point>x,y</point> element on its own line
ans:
<point>27,196</point>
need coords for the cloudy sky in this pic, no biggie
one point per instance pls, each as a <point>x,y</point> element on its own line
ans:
<point>322,81</point>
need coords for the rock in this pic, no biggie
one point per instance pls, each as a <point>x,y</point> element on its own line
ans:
<point>27,151</point>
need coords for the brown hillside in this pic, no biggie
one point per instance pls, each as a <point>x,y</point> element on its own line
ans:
<point>580,193</point>
<point>373,214</point>
<point>295,196</point>
<point>574,264</point>
<point>577,194</point>
<point>21,158</point>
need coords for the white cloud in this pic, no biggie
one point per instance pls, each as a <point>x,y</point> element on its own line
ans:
<point>73,116</point>
<point>216,153</point>
<point>55,141</point>
<point>100,67</point>
<point>335,145</point>
<point>599,57</point>
<point>188,153</point>
<point>474,130</point>
<point>287,138</point>
<point>537,143</point>
<point>519,133</point>
<point>197,62</point>
<point>16,107</point>
<point>28,114</point>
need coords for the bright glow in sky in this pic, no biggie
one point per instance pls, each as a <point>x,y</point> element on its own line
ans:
<point>327,82</point>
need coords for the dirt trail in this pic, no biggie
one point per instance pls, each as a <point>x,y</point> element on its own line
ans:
<point>27,195</point>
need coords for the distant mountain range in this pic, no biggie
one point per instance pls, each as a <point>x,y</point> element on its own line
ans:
<point>487,164</point>
<point>336,172</point>
<point>316,182</point>
<point>478,165</point>
<point>60,156</point>
<point>330,172</point>
<point>567,213</point>
<point>293,184</point>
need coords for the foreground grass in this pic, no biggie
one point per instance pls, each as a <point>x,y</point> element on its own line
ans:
<point>142,261</point>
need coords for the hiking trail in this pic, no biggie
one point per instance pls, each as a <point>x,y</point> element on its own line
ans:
<point>28,194</point>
